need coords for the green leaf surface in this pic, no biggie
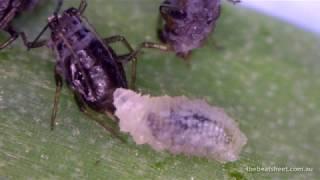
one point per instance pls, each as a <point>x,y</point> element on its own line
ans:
<point>266,77</point>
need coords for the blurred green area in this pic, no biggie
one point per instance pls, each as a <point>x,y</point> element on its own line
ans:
<point>267,78</point>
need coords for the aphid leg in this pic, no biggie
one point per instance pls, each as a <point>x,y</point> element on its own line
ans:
<point>9,16</point>
<point>80,103</point>
<point>217,45</point>
<point>119,38</point>
<point>159,29</point>
<point>185,57</point>
<point>133,72</point>
<point>8,42</point>
<point>134,65</point>
<point>59,83</point>
<point>150,45</point>
<point>34,44</point>
<point>5,22</point>
<point>13,36</point>
<point>134,61</point>
<point>82,7</point>
<point>134,54</point>
<point>83,108</point>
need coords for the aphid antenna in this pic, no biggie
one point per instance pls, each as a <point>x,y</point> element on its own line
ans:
<point>39,35</point>
<point>58,7</point>
<point>57,10</point>
<point>55,14</point>
<point>82,7</point>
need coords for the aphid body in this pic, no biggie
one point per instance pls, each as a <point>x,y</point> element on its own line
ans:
<point>187,23</point>
<point>179,125</point>
<point>84,61</point>
<point>9,9</point>
<point>89,66</point>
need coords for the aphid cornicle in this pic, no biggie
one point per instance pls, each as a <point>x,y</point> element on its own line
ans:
<point>85,61</point>
<point>187,23</point>
<point>9,9</point>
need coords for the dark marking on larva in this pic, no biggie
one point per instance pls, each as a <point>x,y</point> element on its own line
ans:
<point>179,128</point>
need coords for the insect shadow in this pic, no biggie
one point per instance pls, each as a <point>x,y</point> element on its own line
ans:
<point>86,62</point>
<point>183,25</point>
<point>10,9</point>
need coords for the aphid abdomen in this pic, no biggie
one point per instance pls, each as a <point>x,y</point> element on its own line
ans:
<point>179,125</point>
<point>106,75</point>
<point>89,66</point>
<point>185,33</point>
<point>94,74</point>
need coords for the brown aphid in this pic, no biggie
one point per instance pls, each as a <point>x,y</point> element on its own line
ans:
<point>185,25</point>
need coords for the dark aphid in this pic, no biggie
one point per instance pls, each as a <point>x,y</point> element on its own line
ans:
<point>9,9</point>
<point>185,24</point>
<point>85,61</point>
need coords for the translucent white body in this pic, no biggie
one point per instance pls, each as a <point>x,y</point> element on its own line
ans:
<point>179,125</point>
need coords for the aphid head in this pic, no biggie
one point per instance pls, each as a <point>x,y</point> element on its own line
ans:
<point>72,12</point>
<point>53,19</point>
<point>65,21</point>
<point>173,16</point>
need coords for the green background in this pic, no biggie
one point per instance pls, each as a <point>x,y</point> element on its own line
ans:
<point>266,77</point>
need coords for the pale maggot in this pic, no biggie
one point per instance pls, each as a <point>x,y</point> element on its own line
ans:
<point>179,125</point>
